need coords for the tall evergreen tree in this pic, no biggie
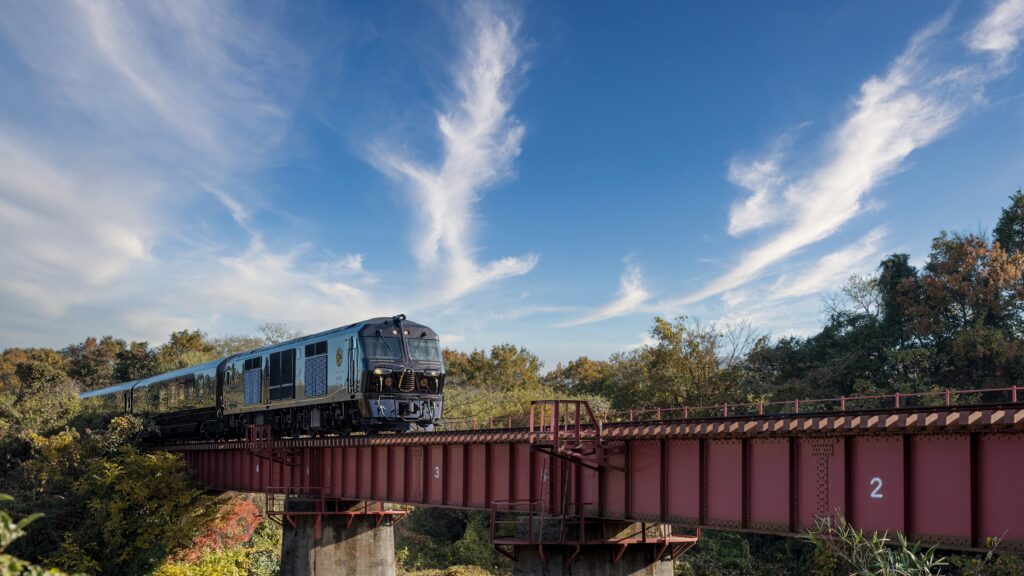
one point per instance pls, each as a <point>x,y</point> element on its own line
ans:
<point>895,281</point>
<point>1010,228</point>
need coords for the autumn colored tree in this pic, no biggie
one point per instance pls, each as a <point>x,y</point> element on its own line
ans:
<point>967,283</point>
<point>93,363</point>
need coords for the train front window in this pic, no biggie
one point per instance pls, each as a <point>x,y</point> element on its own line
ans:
<point>384,347</point>
<point>424,349</point>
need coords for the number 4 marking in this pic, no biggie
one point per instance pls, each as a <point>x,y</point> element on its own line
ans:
<point>877,483</point>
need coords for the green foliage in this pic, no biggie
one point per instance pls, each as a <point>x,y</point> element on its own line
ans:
<point>1009,232</point>
<point>135,362</point>
<point>581,376</point>
<point>109,508</point>
<point>687,363</point>
<point>437,541</point>
<point>139,508</point>
<point>876,555</point>
<point>35,392</point>
<point>184,348</point>
<point>731,554</point>
<point>505,368</point>
<point>895,277</point>
<point>11,531</point>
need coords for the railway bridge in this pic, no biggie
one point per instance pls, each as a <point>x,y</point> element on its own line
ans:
<point>569,492</point>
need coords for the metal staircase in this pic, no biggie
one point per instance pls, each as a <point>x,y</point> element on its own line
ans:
<point>572,438</point>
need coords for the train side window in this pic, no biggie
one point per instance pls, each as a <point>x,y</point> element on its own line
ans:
<point>282,375</point>
<point>316,369</point>
<point>252,380</point>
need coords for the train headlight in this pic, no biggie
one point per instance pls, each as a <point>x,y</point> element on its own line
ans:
<point>381,371</point>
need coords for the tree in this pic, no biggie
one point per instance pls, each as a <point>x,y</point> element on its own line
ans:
<point>137,361</point>
<point>184,348</point>
<point>897,280</point>
<point>968,282</point>
<point>11,531</point>
<point>579,376</point>
<point>1009,232</point>
<point>236,344</point>
<point>35,393</point>
<point>104,511</point>
<point>505,368</point>
<point>277,332</point>
<point>858,295</point>
<point>93,363</point>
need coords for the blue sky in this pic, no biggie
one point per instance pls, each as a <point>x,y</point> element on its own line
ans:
<point>548,174</point>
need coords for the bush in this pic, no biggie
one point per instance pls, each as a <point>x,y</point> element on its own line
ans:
<point>874,555</point>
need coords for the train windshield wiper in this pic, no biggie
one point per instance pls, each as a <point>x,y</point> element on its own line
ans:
<point>380,335</point>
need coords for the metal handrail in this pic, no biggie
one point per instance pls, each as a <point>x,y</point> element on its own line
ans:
<point>725,410</point>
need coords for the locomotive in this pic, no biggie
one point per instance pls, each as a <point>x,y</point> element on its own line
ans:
<point>382,374</point>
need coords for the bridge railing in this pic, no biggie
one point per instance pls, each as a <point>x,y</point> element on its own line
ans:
<point>562,423</point>
<point>942,397</point>
<point>897,400</point>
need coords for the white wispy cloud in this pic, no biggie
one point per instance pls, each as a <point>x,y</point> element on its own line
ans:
<point>764,178</point>
<point>833,269</point>
<point>481,140</point>
<point>63,236</point>
<point>909,107</point>
<point>138,112</point>
<point>283,286</point>
<point>631,296</point>
<point>144,93</point>
<point>999,32</point>
<point>524,311</point>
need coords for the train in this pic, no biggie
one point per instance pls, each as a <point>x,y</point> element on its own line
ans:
<point>379,375</point>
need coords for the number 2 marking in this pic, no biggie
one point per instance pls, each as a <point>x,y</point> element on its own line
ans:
<point>877,483</point>
<point>437,471</point>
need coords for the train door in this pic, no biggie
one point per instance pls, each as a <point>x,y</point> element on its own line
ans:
<point>352,383</point>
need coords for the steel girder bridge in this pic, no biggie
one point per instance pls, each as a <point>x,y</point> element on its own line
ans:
<point>944,468</point>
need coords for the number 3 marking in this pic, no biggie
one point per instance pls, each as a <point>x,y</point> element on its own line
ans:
<point>437,471</point>
<point>877,483</point>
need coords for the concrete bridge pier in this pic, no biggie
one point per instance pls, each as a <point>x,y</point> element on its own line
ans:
<point>349,543</point>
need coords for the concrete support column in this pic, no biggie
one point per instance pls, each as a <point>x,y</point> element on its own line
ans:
<point>593,560</point>
<point>361,547</point>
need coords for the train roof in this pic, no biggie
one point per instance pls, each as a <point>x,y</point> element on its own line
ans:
<point>151,379</point>
<point>359,326</point>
